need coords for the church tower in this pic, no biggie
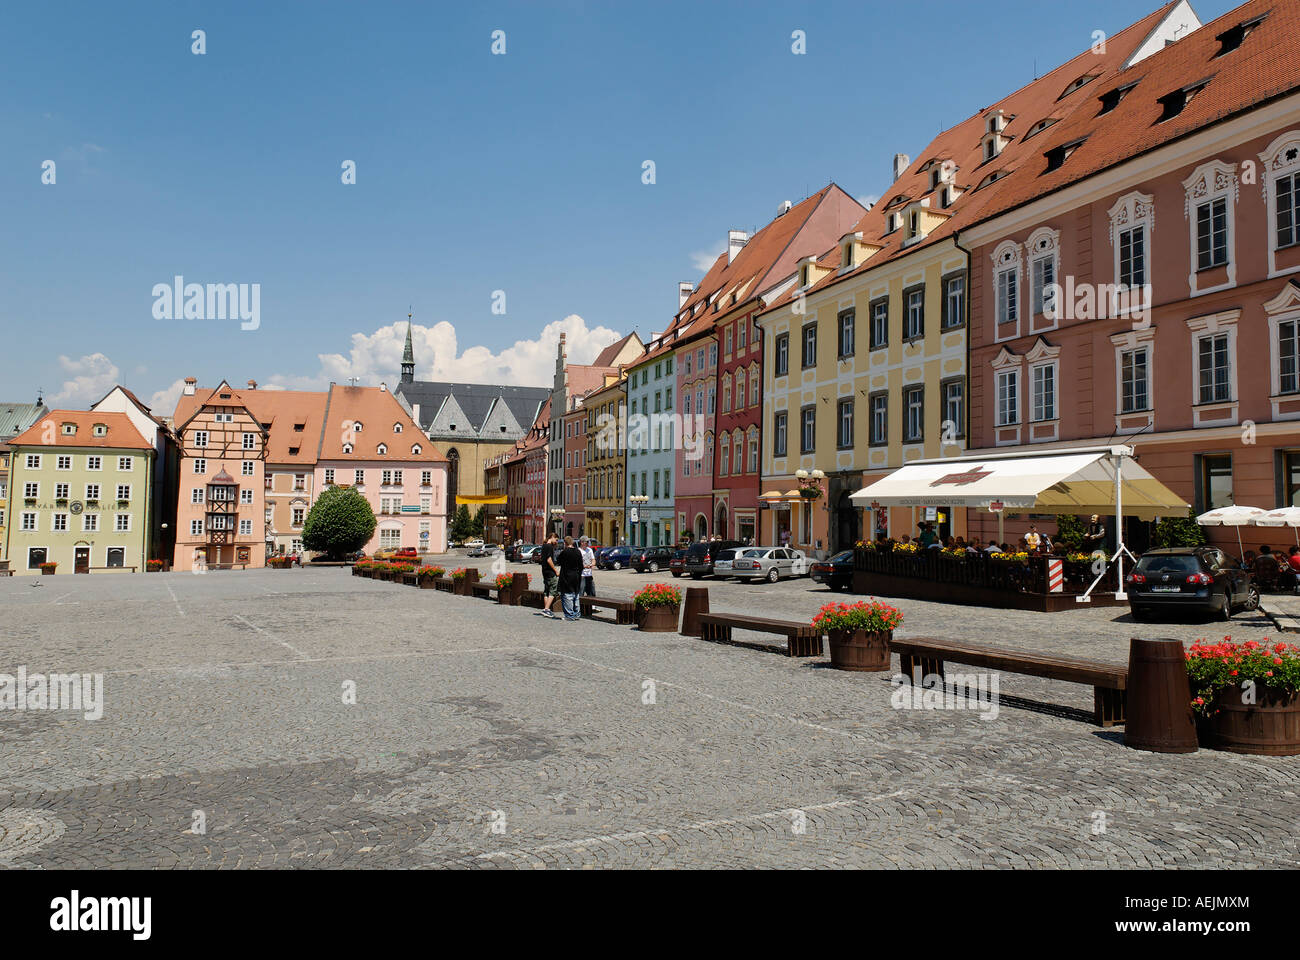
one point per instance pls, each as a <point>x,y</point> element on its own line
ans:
<point>408,355</point>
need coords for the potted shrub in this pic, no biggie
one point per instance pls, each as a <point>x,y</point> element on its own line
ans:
<point>48,568</point>
<point>658,607</point>
<point>859,633</point>
<point>505,589</point>
<point>153,566</point>
<point>1246,696</point>
<point>405,575</point>
<point>460,582</point>
<point>427,577</point>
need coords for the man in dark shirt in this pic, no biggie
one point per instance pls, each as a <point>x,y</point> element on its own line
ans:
<point>570,564</point>
<point>550,574</point>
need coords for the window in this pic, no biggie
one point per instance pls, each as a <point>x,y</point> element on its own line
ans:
<point>1212,234</point>
<point>1008,397</point>
<point>246,495</point>
<point>123,523</point>
<point>726,393</point>
<point>426,478</point>
<point>753,386</point>
<point>250,441</point>
<point>61,491</point>
<point>34,461</point>
<point>35,557</point>
<point>1135,392</point>
<point>90,522</point>
<point>954,301</point>
<point>382,449</point>
<point>245,528</point>
<point>1213,366</point>
<point>94,463</point>
<point>1288,356</point>
<point>124,491</point>
<point>200,438</point>
<point>125,463</point>
<point>713,353</point>
<point>200,466</point>
<point>1216,481</point>
<point>783,355</point>
<point>778,433</point>
<point>879,323</point>
<point>713,390</point>
<point>246,468</point>
<point>60,523</point>
<point>846,345</point>
<point>753,450</point>
<point>724,457</point>
<point>1287,215</point>
<point>727,349</point>
<point>358,477</point>
<point>1007,296</point>
<point>953,393</point>
<point>92,491</point>
<point>329,477</point>
<point>914,414</point>
<point>196,495</point>
<point>914,314</point>
<point>808,429</point>
<point>1132,257</point>
<point>29,521</point>
<point>844,421</point>
<point>298,513</point>
<point>31,490</point>
<point>809,354</point>
<point>742,333</point>
<point>63,462</point>
<point>1042,276</point>
<point>879,428</point>
<point>1042,388</point>
<point>397,428</point>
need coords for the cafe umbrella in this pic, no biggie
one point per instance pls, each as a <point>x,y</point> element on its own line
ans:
<point>1235,515</point>
<point>1281,517</point>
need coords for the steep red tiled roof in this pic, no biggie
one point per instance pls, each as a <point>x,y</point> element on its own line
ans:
<point>377,411</point>
<point>121,434</point>
<point>1264,66</point>
<point>606,357</point>
<point>280,411</point>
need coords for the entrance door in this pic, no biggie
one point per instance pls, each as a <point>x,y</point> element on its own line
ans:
<point>81,560</point>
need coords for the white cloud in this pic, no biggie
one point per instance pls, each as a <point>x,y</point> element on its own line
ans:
<point>702,260</point>
<point>870,200</point>
<point>163,403</point>
<point>377,356</point>
<point>92,376</point>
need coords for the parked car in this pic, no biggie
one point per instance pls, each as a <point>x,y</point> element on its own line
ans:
<point>396,553</point>
<point>700,557</point>
<point>515,553</point>
<point>482,550</point>
<point>769,563</point>
<point>614,558</point>
<point>722,562</point>
<point>1189,580</point>
<point>653,559</point>
<point>836,572</point>
<point>528,553</point>
<point>676,565</point>
<point>472,544</point>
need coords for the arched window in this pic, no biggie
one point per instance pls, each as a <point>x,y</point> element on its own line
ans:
<point>724,453</point>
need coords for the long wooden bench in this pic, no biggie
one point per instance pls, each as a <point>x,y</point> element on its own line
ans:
<point>531,598</point>
<point>624,610</point>
<point>483,588</point>
<point>1109,681</point>
<point>802,639</point>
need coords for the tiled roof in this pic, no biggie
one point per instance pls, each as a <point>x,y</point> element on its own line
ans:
<point>121,434</point>
<point>963,145</point>
<point>377,410</point>
<point>475,399</point>
<point>280,411</point>
<point>1265,65</point>
<point>606,357</point>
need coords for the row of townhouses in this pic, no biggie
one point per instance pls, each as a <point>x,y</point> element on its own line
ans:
<point>1108,253</point>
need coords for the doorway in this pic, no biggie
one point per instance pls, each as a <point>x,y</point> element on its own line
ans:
<point>81,559</point>
<point>847,522</point>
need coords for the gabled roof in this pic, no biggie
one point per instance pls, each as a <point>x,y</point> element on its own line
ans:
<point>476,400</point>
<point>121,432</point>
<point>377,411</point>
<point>278,411</point>
<point>607,356</point>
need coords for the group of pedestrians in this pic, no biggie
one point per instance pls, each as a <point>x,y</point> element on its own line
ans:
<point>568,572</point>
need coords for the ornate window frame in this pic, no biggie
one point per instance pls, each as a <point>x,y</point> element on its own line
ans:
<point>1276,164</point>
<point>1007,258</point>
<point>1284,308</point>
<point>1007,362</point>
<point>1044,244</point>
<point>1208,182</point>
<point>1132,210</point>
<point>1213,324</point>
<point>1131,340</point>
<point>1043,354</point>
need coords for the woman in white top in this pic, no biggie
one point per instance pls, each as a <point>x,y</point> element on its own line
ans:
<point>588,567</point>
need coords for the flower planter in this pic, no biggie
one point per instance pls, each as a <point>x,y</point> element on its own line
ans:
<point>660,618</point>
<point>47,573</point>
<point>1269,727</point>
<point>506,596</point>
<point>462,587</point>
<point>861,650</point>
<point>410,580</point>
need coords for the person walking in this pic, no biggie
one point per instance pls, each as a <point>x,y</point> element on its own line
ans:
<point>588,568</point>
<point>570,569</point>
<point>550,574</point>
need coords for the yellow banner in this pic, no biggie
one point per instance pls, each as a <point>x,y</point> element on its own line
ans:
<point>478,500</point>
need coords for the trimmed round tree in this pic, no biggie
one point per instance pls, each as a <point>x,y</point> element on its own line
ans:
<point>339,522</point>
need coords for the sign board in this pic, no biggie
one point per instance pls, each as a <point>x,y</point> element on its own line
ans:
<point>931,513</point>
<point>424,534</point>
<point>996,506</point>
<point>410,508</point>
<point>633,515</point>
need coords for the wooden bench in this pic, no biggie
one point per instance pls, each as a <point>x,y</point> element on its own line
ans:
<point>1109,681</point>
<point>802,639</point>
<point>624,610</point>
<point>484,589</point>
<point>132,569</point>
<point>443,584</point>
<point>530,598</point>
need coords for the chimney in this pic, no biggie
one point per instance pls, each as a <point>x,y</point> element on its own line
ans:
<point>189,386</point>
<point>736,239</point>
<point>383,387</point>
<point>684,291</point>
<point>784,208</point>
<point>901,162</point>
<point>252,384</point>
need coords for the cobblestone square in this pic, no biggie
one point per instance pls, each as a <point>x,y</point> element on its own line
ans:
<point>486,736</point>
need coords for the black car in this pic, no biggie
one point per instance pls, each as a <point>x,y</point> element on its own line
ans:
<point>836,572</point>
<point>1189,579</point>
<point>700,557</point>
<point>653,559</point>
<point>614,558</point>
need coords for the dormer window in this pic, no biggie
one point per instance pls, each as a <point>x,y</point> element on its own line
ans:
<point>397,428</point>
<point>1058,155</point>
<point>1231,39</point>
<point>99,430</point>
<point>992,178</point>
<point>914,223</point>
<point>356,426</point>
<point>416,449</point>
<point>1173,103</point>
<point>893,223</point>
<point>382,450</point>
<point>949,195</point>
<point>347,448</point>
<point>995,122</point>
<point>1082,81</point>
<point>1110,100</point>
<point>803,275</point>
<point>69,429</point>
<point>846,254</point>
<point>1040,126</point>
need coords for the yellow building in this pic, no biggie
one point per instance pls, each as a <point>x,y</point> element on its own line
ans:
<point>606,455</point>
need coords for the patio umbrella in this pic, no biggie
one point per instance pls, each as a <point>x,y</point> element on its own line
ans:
<point>1282,517</point>
<point>1233,516</point>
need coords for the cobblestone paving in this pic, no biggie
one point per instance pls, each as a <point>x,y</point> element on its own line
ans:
<point>489,737</point>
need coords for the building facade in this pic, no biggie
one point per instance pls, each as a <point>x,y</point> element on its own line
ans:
<point>14,419</point>
<point>606,462</point>
<point>82,489</point>
<point>575,468</point>
<point>651,447</point>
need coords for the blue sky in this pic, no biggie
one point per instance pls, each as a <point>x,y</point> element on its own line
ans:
<point>475,172</point>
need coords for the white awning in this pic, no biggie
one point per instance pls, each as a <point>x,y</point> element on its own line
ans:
<point>1080,481</point>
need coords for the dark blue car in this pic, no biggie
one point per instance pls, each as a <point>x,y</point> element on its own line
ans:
<point>614,558</point>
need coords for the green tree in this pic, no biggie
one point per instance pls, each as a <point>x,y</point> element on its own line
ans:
<point>461,524</point>
<point>1178,532</point>
<point>1069,531</point>
<point>480,521</point>
<point>339,522</point>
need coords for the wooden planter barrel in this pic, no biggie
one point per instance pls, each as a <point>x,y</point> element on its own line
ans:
<point>658,619</point>
<point>506,595</point>
<point>1158,715</point>
<point>1269,727</point>
<point>426,583</point>
<point>697,602</point>
<point>443,583</point>
<point>410,580</point>
<point>461,587</point>
<point>518,588</point>
<point>47,573</point>
<point>860,650</point>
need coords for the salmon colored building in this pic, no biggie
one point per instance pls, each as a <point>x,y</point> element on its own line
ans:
<point>1138,278</point>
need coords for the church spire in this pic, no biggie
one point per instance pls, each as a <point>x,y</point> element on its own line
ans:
<point>408,355</point>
